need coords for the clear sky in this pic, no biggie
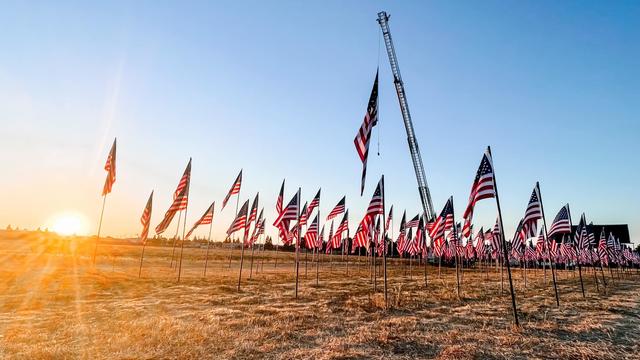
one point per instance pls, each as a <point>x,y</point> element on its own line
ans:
<point>280,89</point>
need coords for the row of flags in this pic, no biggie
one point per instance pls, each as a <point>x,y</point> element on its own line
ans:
<point>446,239</point>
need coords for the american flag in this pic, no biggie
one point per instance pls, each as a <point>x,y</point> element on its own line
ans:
<point>446,216</point>
<point>205,219</point>
<point>480,244</point>
<point>110,167</point>
<point>376,205</point>
<point>401,235</point>
<point>338,209</point>
<point>364,133</point>
<point>240,222</point>
<point>581,236</point>
<point>602,247</point>
<point>533,212</point>
<point>181,195</point>
<point>330,239</point>
<point>257,230</point>
<point>342,227</point>
<point>561,223</point>
<point>483,187</point>
<point>290,212</point>
<point>320,239</point>
<point>518,239</point>
<point>235,189</point>
<point>176,206</point>
<point>360,239</point>
<point>312,234</point>
<point>540,248</point>
<point>389,218</point>
<point>303,215</point>
<point>553,249</point>
<point>254,209</point>
<point>280,199</point>
<point>413,222</point>
<point>145,219</point>
<point>313,204</point>
<point>529,253</point>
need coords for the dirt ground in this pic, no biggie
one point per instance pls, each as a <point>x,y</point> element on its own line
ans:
<point>61,306</point>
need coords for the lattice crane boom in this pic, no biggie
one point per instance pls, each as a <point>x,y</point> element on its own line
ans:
<point>423,188</point>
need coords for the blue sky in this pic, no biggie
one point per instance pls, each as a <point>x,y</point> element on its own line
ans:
<point>280,88</point>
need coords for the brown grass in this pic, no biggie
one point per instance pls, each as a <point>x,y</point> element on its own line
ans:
<point>60,306</point>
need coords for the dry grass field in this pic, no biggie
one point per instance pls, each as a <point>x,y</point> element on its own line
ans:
<point>60,306</point>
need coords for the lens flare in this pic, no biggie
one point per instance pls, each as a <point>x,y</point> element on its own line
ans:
<point>69,223</point>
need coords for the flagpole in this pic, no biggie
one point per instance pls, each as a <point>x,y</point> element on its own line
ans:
<point>318,247</point>
<point>455,254</point>
<point>384,242</point>
<point>504,244</point>
<point>577,254</point>
<point>184,225</point>
<point>95,249</point>
<point>298,243</point>
<point>206,259</point>
<point>246,231</point>
<point>141,257</point>
<point>175,238</point>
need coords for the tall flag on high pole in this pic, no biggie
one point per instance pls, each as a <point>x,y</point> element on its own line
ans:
<point>364,133</point>
<point>110,167</point>
<point>483,187</point>
<point>145,219</point>
<point>205,219</point>
<point>235,189</point>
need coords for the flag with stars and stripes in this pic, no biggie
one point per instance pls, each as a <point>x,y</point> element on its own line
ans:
<point>205,219</point>
<point>561,223</point>
<point>145,219</point>
<point>235,189</point>
<point>110,167</point>
<point>338,209</point>
<point>364,133</point>
<point>240,222</point>
<point>483,187</point>
<point>445,218</point>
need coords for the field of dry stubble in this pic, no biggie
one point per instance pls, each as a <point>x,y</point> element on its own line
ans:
<point>54,305</point>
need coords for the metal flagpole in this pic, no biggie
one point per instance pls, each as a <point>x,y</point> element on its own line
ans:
<point>577,254</point>
<point>246,232</point>
<point>141,257</point>
<point>206,261</point>
<point>95,249</point>
<point>298,244</point>
<point>318,248</point>
<point>175,238</point>
<point>384,242</point>
<point>455,249</point>
<point>184,225</point>
<point>504,244</point>
<point>231,240</point>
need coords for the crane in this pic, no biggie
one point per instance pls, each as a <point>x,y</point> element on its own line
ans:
<point>423,188</point>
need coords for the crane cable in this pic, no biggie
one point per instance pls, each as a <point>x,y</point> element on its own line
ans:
<point>378,69</point>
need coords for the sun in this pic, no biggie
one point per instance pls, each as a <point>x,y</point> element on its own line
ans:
<point>69,223</point>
